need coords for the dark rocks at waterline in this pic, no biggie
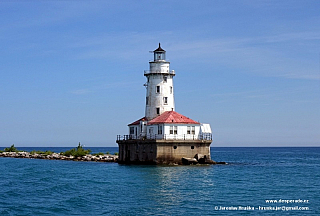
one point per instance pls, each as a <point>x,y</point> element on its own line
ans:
<point>56,156</point>
<point>199,159</point>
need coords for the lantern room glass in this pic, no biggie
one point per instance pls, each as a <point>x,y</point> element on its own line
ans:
<point>159,56</point>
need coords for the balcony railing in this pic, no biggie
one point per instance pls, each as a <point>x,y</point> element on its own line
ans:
<point>166,137</point>
<point>146,72</point>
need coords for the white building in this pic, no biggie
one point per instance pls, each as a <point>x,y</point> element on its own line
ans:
<point>161,121</point>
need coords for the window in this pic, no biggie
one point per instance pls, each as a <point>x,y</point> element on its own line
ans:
<point>160,129</point>
<point>131,130</point>
<point>165,100</point>
<point>147,100</point>
<point>193,130</point>
<point>171,129</point>
<point>158,110</point>
<point>170,89</point>
<point>192,147</point>
<point>188,130</point>
<point>174,147</point>
<point>175,130</point>
<point>158,89</point>
<point>165,79</point>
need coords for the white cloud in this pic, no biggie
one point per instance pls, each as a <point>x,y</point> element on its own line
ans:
<point>293,56</point>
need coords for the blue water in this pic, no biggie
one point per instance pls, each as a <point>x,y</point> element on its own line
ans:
<point>51,187</point>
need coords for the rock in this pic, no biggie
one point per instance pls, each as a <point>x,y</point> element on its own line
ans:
<point>188,161</point>
<point>57,156</point>
<point>198,156</point>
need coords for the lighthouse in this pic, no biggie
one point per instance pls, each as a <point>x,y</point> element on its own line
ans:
<point>159,85</point>
<point>164,136</point>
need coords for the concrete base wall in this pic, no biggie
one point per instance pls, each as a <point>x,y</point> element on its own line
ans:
<point>136,151</point>
<point>160,151</point>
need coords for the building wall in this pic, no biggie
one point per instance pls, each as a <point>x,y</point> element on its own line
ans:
<point>134,131</point>
<point>155,99</point>
<point>174,152</point>
<point>159,66</point>
<point>137,152</point>
<point>182,131</point>
<point>160,151</point>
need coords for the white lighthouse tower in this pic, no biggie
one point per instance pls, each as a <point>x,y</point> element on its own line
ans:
<point>159,85</point>
<point>164,136</point>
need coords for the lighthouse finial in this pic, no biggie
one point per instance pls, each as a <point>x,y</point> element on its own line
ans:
<point>159,49</point>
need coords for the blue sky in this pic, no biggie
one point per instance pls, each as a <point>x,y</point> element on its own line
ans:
<point>72,71</point>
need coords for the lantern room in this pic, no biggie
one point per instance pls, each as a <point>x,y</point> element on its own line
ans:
<point>159,54</point>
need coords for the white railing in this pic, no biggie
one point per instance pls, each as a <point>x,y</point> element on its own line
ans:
<point>166,137</point>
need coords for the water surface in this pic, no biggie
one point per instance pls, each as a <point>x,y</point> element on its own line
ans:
<point>52,187</point>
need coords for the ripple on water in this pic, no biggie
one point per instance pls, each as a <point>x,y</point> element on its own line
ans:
<point>44,187</point>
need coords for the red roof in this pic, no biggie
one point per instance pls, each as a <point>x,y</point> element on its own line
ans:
<point>138,121</point>
<point>172,117</point>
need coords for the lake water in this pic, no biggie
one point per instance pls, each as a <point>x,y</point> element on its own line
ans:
<point>254,178</point>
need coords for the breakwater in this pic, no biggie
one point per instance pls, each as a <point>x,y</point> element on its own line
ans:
<point>81,154</point>
<point>57,156</point>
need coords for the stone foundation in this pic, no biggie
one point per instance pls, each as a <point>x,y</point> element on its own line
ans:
<point>161,151</point>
